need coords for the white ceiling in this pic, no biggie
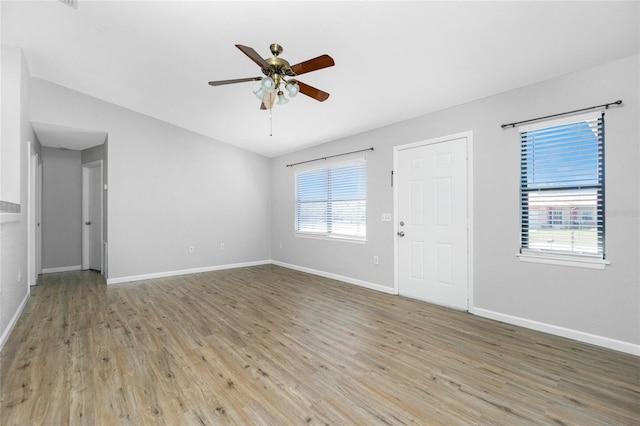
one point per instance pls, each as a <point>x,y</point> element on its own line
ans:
<point>394,60</point>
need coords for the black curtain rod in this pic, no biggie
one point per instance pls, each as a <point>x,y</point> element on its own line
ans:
<point>606,106</point>
<point>329,156</point>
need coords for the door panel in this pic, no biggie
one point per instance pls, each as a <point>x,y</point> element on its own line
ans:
<point>432,214</point>
<point>95,217</point>
<point>92,216</point>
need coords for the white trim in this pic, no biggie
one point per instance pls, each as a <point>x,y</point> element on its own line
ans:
<point>14,320</point>
<point>10,217</point>
<point>184,272</point>
<point>62,269</point>
<point>348,280</point>
<point>605,342</point>
<point>468,135</point>
<point>105,259</point>
<point>32,275</point>
<point>331,237</point>
<point>558,259</point>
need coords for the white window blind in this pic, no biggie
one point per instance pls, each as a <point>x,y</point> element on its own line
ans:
<point>332,201</point>
<point>562,186</point>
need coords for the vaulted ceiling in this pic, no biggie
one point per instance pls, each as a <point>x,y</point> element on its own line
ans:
<point>394,60</point>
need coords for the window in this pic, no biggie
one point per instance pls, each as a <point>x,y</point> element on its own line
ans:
<point>562,186</point>
<point>332,201</point>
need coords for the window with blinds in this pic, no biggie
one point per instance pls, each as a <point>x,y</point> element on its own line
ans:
<point>562,186</point>
<point>332,201</point>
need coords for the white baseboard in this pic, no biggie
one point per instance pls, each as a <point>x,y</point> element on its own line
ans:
<point>14,320</point>
<point>616,345</point>
<point>184,272</point>
<point>357,282</point>
<point>62,269</point>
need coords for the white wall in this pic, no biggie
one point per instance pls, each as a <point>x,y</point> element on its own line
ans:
<point>168,189</point>
<point>598,306</point>
<point>14,289</point>
<point>61,209</point>
<point>10,150</point>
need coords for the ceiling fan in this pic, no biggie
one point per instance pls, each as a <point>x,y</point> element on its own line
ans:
<point>277,73</point>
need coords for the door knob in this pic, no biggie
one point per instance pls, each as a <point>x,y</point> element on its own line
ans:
<point>401,234</point>
<point>87,223</point>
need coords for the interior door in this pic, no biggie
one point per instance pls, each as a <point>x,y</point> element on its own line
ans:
<point>92,212</point>
<point>95,216</point>
<point>33,216</point>
<point>39,217</point>
<point>432,222</point>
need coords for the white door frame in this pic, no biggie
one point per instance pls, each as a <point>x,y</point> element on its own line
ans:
<point>396,149</point>
<point>85,212</point>
<point>34,236</point>
<point>39,217</point>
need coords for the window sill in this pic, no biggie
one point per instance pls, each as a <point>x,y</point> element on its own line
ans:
<point>332,238</point>
<point>564,260</point>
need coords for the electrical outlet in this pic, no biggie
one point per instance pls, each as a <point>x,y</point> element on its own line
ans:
<point>221,246</point>
<point>281,245</point>
<point>376,260</point>
<point>386,217</point>
<point>192,249</point>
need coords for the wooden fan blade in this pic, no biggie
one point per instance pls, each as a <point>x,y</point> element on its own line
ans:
<point>314,64</point>
<point>254,56</point>
<point>237,80</point>
<point>313,92</point>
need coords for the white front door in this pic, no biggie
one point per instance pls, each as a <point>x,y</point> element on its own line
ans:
<point>432,222</point>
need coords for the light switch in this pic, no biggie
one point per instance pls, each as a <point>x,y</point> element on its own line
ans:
<point>386,217</point>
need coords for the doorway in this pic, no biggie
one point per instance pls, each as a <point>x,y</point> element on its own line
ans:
<point>92,216</point>
<point>433,211</point>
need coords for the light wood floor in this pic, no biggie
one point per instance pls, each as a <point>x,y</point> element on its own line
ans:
<point>267,345</point>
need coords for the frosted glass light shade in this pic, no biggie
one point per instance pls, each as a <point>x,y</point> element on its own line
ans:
<point>282,100</point>
<point>268,85</point>
<point>293,89</point>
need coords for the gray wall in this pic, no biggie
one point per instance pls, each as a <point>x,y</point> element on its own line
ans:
<point>600,303</point>
<point>169,189</point>
<point>61,209</point>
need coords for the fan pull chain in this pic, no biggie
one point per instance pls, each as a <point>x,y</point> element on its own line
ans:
<point>270,122</point>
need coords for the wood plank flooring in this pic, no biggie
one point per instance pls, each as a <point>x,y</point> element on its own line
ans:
<point>271,346</point>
